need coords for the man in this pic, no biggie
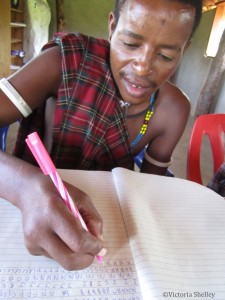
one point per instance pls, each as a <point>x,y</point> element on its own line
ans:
<point>106,102</point>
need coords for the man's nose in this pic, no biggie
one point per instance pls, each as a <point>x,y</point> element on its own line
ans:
<point>144,64</point>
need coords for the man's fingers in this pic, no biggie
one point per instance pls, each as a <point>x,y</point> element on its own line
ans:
<point>70,231</point>
<point>69,260</point>
<point>87,209</point>
<point>53,247</point>
<point>52,230</point>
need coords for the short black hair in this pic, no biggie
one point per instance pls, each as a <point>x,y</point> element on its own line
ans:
<point>197,4</point>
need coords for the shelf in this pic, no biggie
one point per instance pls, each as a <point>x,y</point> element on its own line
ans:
<point>12,27</point>
<point>14,67</point>
<point>17,24</point>
<point>16,41</point>
<point>19,11</point>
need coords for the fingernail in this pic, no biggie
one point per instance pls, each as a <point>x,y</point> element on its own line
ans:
<point>102,252</point>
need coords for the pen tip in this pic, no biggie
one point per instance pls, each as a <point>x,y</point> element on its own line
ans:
<point>100,258</point>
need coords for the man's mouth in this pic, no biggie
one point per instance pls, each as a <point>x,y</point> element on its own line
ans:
<point>136,86</point>
<point>136,90</point>
<point>139,83</point>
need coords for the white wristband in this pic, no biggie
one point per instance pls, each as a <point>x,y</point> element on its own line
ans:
<point>16,99</point>
<point>155,162</point>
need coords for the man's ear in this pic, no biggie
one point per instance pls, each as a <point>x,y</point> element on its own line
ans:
<point>111,25</point>
<point>187,44</point>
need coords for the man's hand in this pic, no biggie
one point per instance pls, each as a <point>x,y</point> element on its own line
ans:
<point>52,230</point>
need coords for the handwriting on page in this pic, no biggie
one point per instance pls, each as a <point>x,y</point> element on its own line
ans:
<point>116,280</point>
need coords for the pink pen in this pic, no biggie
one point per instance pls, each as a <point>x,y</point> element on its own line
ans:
<point>48,168</point>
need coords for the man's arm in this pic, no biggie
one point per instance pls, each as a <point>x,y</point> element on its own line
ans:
<point>49,227</point>
<point>35,82</point>
<point>170,121</point>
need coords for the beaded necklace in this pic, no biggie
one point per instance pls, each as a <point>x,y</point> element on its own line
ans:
<point>148,116</point>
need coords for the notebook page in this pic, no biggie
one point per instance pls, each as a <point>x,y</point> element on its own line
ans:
<point>23,276</point>
<point>177,235</point>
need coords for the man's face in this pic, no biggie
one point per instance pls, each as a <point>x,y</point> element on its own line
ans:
<point>147,44</point>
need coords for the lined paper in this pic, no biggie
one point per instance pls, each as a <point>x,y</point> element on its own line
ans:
<point>177,235</point>
<point>23,276</point>
<point>175,249</point>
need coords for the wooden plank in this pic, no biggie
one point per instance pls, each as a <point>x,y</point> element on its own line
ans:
<point>5,37</point>
<point>207,100</point>
<point>60,15</point>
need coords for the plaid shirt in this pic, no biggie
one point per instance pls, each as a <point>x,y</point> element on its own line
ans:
<point>89,127</point>
<point>217,183</point>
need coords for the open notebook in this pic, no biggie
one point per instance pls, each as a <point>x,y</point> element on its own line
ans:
<point>165,239</point>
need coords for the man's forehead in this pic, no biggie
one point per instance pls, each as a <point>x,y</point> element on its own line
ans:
<point>169,18</point>
<point>157,5</point>
<point>163,10</point>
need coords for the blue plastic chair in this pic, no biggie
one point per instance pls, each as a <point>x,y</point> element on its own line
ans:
<point>139,158</point>
<point>3,135</point>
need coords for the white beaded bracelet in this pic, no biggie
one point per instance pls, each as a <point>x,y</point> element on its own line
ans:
<point>16,99</point>
<point>155,162</point>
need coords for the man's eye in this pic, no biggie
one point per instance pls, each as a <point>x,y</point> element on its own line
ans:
<point>130,45</point>
<point>165,57</point>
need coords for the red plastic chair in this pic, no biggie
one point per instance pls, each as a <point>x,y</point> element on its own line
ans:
<point>212,125</point>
